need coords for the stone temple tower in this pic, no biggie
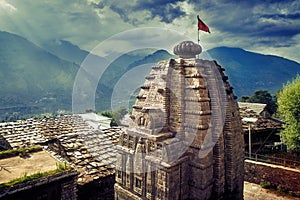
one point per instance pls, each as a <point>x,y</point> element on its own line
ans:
<point>185,139</point>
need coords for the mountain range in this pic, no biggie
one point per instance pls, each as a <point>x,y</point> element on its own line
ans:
<point>39,79</point>
<point>250,71</point>
<point>32,80</point>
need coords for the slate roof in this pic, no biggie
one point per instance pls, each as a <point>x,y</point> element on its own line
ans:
<point>258,108</point>
<point>70,138</point>
<point>254,110</point>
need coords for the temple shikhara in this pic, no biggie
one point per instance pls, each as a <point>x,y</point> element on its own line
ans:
<point>185,137</point>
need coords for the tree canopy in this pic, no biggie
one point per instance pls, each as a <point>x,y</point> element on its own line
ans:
<point>116,115</point>
<point>289,111</point>
<point>262,96</point>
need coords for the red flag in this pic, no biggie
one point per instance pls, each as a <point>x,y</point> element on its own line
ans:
<point>202,26</point>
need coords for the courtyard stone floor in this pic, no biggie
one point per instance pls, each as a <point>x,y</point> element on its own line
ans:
<point>16,167</point>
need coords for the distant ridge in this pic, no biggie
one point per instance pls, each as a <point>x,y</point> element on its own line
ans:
<point>249,71</point>
<point>40,79</point>
<point>32,80</point>
<point>66,50</point>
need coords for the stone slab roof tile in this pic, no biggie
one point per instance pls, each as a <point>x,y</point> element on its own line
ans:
<point>89,150</point>
<point>262,123</point>
<point>257,108</point>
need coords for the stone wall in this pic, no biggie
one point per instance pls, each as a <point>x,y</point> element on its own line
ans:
<point>98,189</point>
<point>58,186</point>
<point>257,172</point>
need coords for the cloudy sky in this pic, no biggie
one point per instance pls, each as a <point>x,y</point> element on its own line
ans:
<point>265,26</point>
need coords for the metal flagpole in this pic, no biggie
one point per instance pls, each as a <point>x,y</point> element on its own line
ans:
<point>198,37</point>
<point>198,41</point>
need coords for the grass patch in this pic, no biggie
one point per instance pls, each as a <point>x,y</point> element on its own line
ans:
<point>266,185</point>
<point>279,189</point>
<point>60,167</point>
<point>15,152</point>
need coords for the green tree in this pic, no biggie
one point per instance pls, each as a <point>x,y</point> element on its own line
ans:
<point>262,96</point>
<point>289,111</point>
<point>116,115</point>
<point>107,113</point>
<point>119,114</point>
<point>245,98</point>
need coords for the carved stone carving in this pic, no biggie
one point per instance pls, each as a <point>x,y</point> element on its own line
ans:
<point>189,142</point>
<point>187,49</point>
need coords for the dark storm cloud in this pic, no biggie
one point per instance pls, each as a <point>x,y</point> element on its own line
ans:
<point>292,16</point>
<point>121,9</point>
<point>279,32</point>
<point>277,21</point>
<point>263,25</point>
<point>122,12</point>
<point>99,5</point>
<point>277,45</point>
<point>247,24</point>
<point>165,11</point>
